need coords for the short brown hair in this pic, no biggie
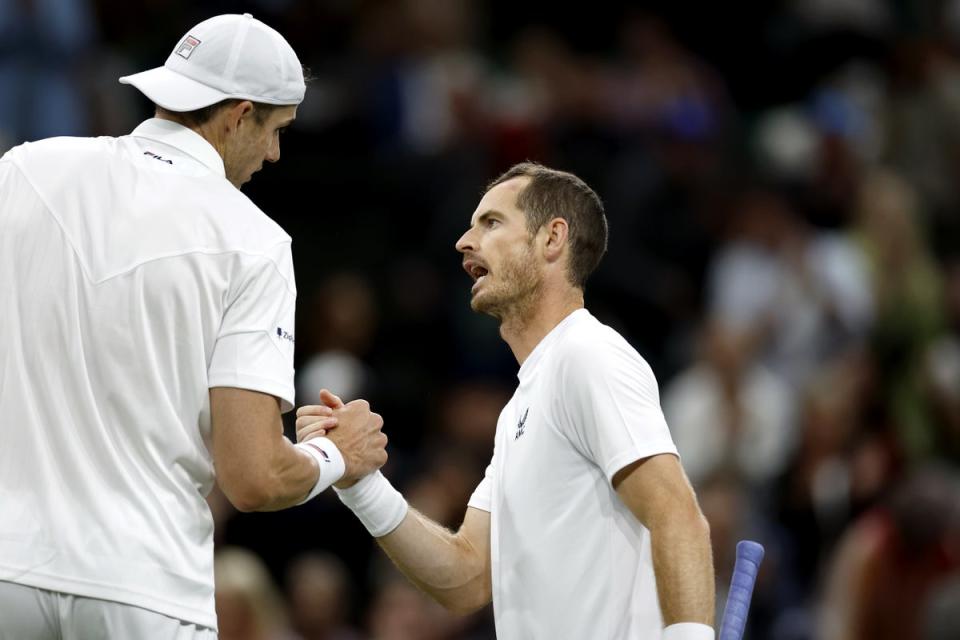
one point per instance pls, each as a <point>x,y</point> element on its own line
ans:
<point>558,194</point>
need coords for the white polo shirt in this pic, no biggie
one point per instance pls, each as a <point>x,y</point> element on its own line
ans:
<point>569,559</point>
<point>133,277</point>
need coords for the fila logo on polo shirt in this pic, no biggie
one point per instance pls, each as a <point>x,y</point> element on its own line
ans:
<point>157,157</point>
<point>185,50</point>
<point>522,425</point>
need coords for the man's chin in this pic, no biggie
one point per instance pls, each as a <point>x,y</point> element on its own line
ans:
<point>479,302</point>
<point>484,304</point>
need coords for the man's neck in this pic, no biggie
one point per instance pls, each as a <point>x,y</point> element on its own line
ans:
<point>207,132</point>
<point>524,328</point>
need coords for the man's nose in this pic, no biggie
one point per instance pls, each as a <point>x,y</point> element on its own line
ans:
<point>465,243</point>
<point>273,153</point>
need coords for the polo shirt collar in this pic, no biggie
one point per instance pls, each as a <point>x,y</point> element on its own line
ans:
<point>180,137</point>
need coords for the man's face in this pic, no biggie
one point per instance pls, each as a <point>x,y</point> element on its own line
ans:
<point>254,142</point>
<point>498,253</point>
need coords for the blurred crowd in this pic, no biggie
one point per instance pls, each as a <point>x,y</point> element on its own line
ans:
<point>783,192</point>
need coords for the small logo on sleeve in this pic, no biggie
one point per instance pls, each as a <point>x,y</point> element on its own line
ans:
<point>283,335</point>
<point>185,50</point>
<point>522,424</point>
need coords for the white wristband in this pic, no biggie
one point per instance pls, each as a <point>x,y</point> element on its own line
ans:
<point>379,506</point>
<point>688,631</point>
<point>328,458</point>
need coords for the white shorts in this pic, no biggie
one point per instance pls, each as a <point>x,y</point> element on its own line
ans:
<point>28,613</point>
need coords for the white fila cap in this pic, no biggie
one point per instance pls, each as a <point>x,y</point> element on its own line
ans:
<point>228,56</point>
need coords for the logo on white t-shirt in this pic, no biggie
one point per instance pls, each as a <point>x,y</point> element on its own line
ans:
<point>522,424</point>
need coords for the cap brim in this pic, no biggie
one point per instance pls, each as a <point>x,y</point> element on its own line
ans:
<point>173,91</point>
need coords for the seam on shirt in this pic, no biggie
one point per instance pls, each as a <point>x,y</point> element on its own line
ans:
<point>92,280</point>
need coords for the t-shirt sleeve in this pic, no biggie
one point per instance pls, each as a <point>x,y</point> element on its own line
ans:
<point>611,405</point>
<point>483,495</point>
<point>255,344</point>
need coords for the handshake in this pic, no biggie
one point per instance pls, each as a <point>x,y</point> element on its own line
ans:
<point>352,428</point>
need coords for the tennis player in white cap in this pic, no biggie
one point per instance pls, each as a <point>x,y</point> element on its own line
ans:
<point>147,338</point>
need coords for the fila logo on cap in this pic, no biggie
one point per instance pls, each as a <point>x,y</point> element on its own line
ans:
<point>187,46</point>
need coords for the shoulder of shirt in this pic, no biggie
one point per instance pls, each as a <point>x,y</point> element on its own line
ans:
<point>589,344</point>
<point>257,230</point>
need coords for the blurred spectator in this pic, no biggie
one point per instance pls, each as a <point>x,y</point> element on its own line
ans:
<point>924,124</point>
<point>796,296</point>
<point>444,487</point>
<point>341,321</point>
<point>659,88</point>
<point>249,606</point>
<point>467,415</point>
<point>400,612</point>
<point>942,614</point>
<point>942,371</point>
<point>816,495</point>
<point>907,289</point>
<point>319,592</point>
<point>728,414</point>
<point>882,577</point>
<point>45,44</point>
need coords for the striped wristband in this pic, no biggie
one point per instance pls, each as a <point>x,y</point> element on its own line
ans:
<point>329,460</point>
<point>688,631</point>
<point>375,502</point>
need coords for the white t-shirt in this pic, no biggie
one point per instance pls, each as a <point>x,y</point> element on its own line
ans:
<point>569,559</point>
<point>133,277</point>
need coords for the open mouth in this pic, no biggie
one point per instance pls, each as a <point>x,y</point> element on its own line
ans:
<point>476,270</point>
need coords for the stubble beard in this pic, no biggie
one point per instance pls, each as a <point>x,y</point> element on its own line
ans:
<point>516,292</point>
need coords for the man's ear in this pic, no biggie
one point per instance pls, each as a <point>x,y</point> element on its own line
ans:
<point>237,113</point>
<point>557,234</point>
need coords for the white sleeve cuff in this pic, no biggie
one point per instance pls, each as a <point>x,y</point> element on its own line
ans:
<point>328,458</point>
<point>688,631</point>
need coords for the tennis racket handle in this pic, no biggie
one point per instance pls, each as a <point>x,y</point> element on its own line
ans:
<point>749,557</point>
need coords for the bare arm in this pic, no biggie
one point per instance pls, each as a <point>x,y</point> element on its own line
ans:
<point>656,490</point>
<point>452,568</point>
<point>258,469</point>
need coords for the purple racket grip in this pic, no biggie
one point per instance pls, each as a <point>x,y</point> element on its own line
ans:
<point>749,557</point>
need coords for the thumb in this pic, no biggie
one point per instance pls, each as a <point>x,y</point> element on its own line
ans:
<point>332,401</point>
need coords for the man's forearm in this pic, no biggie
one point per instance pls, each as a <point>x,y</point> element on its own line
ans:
<point>287,481</point>
<point>683,564</point>
<point>443,564</point>
<point>452,568</point>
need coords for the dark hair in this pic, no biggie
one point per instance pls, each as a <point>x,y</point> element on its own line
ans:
<point>558,194</point>
<point>198,117</point>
